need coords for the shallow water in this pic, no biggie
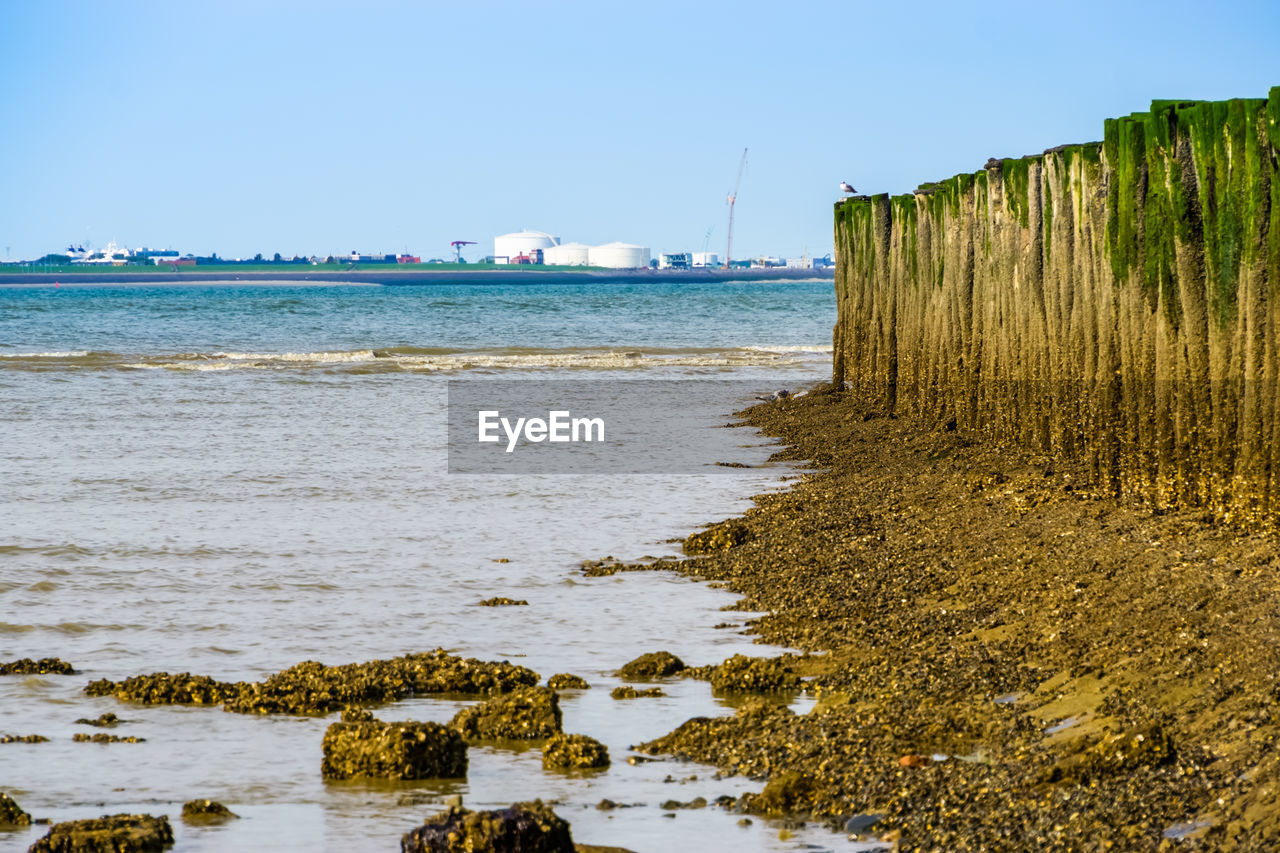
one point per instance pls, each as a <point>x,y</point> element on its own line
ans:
<point>294,504</point>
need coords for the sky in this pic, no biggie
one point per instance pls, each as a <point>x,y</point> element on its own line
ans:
<point>318,128</point>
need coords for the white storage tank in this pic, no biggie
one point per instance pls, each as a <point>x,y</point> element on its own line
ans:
<point>568,255</point>
<point>507,247</point>
<point>619,256</point>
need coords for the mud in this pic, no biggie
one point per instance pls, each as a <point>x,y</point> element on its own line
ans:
<point>1005,655</point>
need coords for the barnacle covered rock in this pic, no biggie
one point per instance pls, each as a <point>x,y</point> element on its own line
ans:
<point>651,665</point>
<point>742,674</point>
<point>522,828</point>
<point>122,833</point>
<point>719,537</point>
<point>107,720</point>
<point>567,681</point>
<point>527,714</point>
<point>11,814</point>
<point>626,691</point>
<point>503,601</point>
<point>406,750</point>
<point>103,737</point>
<point>161,688</point>
<point>206,811</point>
<point>574,751</point>
<point>44,666</point>
<point>23,739</point>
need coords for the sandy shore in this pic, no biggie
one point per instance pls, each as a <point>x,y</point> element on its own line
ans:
<point>1006,658</point>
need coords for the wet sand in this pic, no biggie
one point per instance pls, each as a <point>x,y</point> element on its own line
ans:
<point>1005,656</point>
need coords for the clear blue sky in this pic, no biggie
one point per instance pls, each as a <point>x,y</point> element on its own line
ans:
<point>243,127</point>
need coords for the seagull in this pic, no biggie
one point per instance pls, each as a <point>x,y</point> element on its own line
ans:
<point>846,187</point>
<point>776,397</point>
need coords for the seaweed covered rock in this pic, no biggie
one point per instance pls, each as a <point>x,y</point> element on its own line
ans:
<point>743,674</point>
<point>122,833</point>
<point>44,666</point>
<point>574,751</point>
<point>651,665</point>
<point>11,814</point>
<point>161,688</point>
<point>23,739</point>
<point>522,828</point>
<point>103,737</point>
<point>503,601</point>
<point>313,688</point>
<point>206,811</point>
<point>626,691</point>
<point>527,714</point>
<point>107,720</point>
<point>719,537</point>
<point>787,792</point>
<point>370,748</point>
<point>567,681</point>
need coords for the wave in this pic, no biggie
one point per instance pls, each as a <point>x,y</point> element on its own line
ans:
<point>432,359</point>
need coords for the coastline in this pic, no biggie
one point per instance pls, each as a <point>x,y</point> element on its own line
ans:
<point>391,277</point>
<point>1004,658</point>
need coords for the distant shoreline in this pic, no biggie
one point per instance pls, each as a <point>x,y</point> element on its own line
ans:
<point>222,275</point>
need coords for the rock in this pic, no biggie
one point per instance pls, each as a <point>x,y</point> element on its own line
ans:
<point>652,665</point>
<point>502,601</point>
<point>565,681</point>
<point>784,793</point>
<point>161,688</point>
<point>859,824</point>
<point>314,688</point>
<point>106,720</point>
<point>626,691</point>
<point>44,666</point>
<point>122,833</point>
<point>206,811</point>
<point>695,803</point>
<point>527,714</point>
<point>23,739</point>
<point>406,750</point>
<point>720,537</point>
<point>1139,746</point>
<point>522,828</point>
<point>103,737</point>
<point>742,674</point>
<point>11,814</point>
<point>574,751</point>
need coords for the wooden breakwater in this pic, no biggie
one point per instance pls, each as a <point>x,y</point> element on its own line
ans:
<point>1114,303</point>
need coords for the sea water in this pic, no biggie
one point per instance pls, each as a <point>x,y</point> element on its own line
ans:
<point>229,479</point>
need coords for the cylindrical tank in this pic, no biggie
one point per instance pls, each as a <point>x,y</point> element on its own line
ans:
<point>619,256</point>
<point>507,247</point>
<point>568,254</point>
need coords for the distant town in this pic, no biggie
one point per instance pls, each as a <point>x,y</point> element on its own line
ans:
<point>520,248</point>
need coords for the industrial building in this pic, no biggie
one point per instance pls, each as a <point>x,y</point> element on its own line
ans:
<point>619,256</point>
<point>539,247</point>
<point>508,248</point>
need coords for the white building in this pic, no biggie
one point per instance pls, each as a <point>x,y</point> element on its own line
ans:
<point>706,259</point>
<point>508,247</point>
<point>619,256</point>
<point>568,255</point>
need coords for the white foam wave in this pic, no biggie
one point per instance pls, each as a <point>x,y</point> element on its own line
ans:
<point>63,354</point>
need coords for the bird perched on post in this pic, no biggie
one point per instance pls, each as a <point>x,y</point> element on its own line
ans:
<point>846,187</point>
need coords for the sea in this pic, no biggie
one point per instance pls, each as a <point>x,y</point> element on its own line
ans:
<point>228,479</point>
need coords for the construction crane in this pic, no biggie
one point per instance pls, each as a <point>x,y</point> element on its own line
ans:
<point>457,249</point>
<point>733,197</point>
